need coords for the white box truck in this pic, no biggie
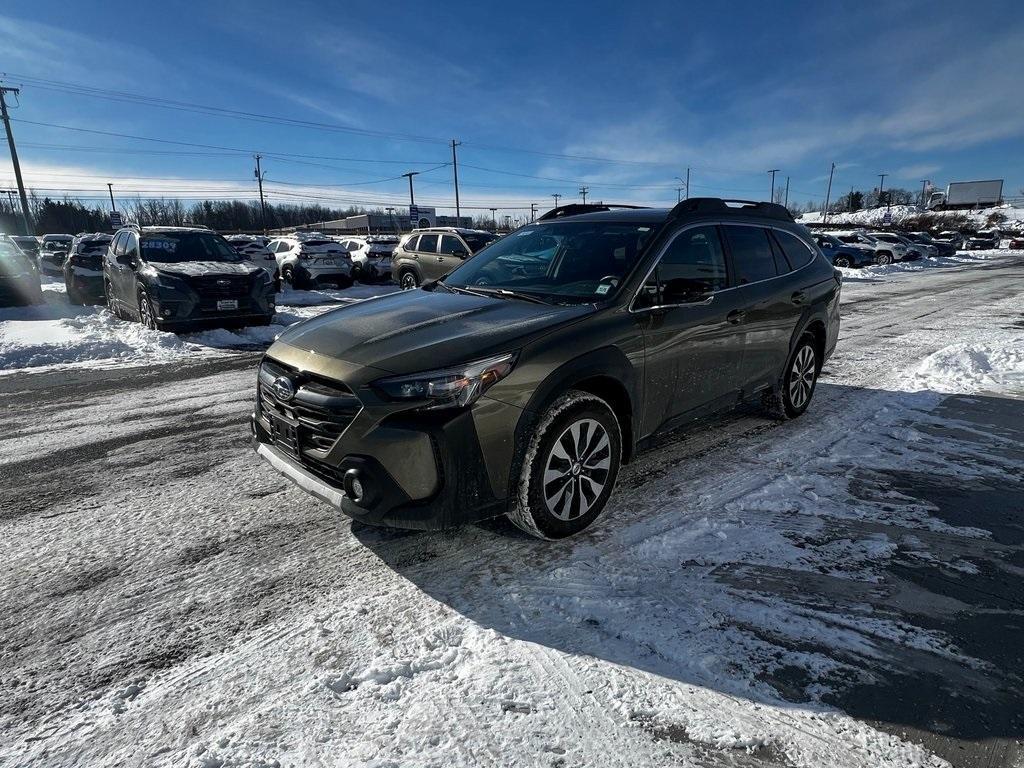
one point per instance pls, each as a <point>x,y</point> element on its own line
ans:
<point>967,194</point>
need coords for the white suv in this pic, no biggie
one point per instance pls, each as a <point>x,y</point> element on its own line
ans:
<point>885,253</point>
<point>312,261</point>
<point>253,248</point>
<point>371,255</point>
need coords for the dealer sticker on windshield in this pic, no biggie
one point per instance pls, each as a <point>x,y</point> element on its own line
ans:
<point>603,289</point>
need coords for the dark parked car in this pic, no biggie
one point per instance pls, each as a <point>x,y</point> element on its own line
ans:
<point>27,244</point>
<point>83,268</point>
<point>842,254</point>
<point>428,254</point>
<point>19,278</point>
<point>520,382</point>
<point>173,278</point>
<point>983,241</point>
<point>52,252</point>
<point>942,248</point>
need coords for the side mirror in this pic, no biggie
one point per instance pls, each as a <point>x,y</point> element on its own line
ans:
<point>126,260</point>
<point>460,254</point>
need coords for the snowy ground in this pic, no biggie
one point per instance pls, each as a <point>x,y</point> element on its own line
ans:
<point>59,334</point>
<point>839,590</point>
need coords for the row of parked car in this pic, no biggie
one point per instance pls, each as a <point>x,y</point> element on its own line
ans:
<point>862,247</point>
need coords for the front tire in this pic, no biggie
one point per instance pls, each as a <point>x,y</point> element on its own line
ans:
<point>570,467</point>
<point>842,262</point>
<point>801,377</point>
<point>147,315</point>
<point>407,281</point>
<point>884,258</point>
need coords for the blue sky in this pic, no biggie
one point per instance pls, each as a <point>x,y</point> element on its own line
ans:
<point>920,90</point>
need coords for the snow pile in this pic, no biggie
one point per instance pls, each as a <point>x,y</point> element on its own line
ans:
<point>962,258</point>
<point>56,333</point>
<point>1012,218</point>
<point>967,368</point>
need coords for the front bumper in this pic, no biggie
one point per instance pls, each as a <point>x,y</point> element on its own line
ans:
<point>187,308</point>
<point>418,469</point>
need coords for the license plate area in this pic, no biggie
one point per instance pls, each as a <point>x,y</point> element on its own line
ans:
<point>284,434</point>
<point>226,304</point>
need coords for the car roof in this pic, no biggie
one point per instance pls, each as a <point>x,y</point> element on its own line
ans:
<point>148,230</point>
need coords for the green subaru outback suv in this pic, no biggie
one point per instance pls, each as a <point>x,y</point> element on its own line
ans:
<point>521,381</point>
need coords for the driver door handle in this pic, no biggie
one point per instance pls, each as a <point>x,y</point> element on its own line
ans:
<point>736,316</point>
<point>440,258</point>
<point>798,297</point>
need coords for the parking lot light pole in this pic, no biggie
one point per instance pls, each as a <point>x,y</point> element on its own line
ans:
<point>409,175</point>
<point>110,189</point>
<point>881,186</point>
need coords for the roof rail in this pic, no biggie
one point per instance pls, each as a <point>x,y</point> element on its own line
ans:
<point>720,205</point>
<point>575,209</point>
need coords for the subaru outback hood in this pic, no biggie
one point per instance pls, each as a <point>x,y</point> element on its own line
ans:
<point>421,330</point>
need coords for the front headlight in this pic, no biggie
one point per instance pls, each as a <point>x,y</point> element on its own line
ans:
<point>451,387</point>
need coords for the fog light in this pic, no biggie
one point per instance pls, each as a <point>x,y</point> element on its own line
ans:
<point>353,486</point>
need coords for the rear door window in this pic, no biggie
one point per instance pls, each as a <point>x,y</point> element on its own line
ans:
<point>751,252</point>
<point>428,244</point>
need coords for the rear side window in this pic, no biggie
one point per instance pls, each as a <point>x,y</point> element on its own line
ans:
<point>751,253</point>
<point>797,252</point>
<point>410,244</point>
<point>428,244</point>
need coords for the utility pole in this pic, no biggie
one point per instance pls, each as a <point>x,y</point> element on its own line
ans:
<point>785,202</point>
<point>679,194</point>
<point>110,189</point>
<point>828,194</point>
<point>773,171</point>
<point>557,197</point>
<point>583,191</point>
<point>25,221</point>
<point>455,166</point>
<point>881,185</point>
<point>687,183</point>
<point>924,188</point>
<point>533,212</point>
<point>263,205</point>
<point>410,174</point>
<point>494,219</point>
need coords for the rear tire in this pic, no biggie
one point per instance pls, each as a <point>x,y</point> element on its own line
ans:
<point>884,258</point>
<point>801,377</point>
<point>570,467</point>
<point>74,297</point>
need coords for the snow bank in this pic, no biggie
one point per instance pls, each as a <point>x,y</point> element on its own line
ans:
<point>58,334</point>
<point>997,366</point>
<point>961,258</point>
<point>1013,218</point>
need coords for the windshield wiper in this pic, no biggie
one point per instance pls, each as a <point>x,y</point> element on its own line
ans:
<point>506,293</point>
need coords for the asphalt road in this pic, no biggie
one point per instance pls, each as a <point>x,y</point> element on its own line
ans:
<point>147,550</point>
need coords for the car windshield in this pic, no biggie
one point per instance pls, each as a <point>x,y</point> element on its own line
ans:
<point>12,261</point>
<point>563,261</point>
<point>93,246</point>
<point>27,244</point>
<point>171,247</point>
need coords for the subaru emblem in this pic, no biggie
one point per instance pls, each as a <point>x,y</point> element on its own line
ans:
<point>284,390</point>
<point>223,282</point>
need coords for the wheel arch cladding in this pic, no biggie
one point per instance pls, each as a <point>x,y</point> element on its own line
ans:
<point>606,373</point>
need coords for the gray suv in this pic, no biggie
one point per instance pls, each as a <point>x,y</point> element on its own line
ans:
<point>429,254</point>
<point>521,381</point>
